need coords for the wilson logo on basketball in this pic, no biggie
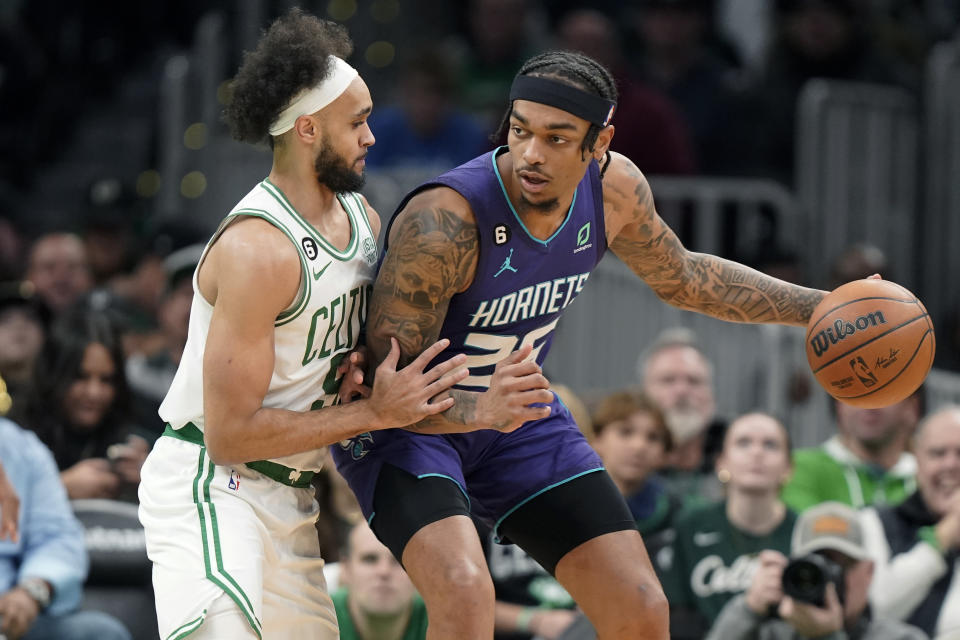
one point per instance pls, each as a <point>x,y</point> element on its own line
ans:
<point>823,340</point>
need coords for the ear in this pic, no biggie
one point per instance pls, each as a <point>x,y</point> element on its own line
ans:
<point>602,145</point>
<point>307,128</point>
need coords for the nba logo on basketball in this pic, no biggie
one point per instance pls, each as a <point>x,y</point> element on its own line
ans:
<point>234,483</point>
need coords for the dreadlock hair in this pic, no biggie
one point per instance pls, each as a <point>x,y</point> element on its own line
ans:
<point>291,56</point>
<point>575,69</point>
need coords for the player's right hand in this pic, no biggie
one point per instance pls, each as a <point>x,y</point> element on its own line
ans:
<point>403,397</point>
<point>517,384</point>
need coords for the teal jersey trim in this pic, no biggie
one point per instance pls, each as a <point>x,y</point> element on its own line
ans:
<point>496,527</point>
<point>503,188</point>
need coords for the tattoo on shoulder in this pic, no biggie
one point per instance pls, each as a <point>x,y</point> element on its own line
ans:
<point>431,256</point>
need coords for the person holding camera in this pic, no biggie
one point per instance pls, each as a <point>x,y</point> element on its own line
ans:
<point>717,546</point>
<point>916,544</point>
<point>820,592</point>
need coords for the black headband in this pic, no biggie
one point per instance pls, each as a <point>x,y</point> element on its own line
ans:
<point>591,107</point>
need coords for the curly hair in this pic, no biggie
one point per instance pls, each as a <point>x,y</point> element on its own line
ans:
<point>576,69</point>
<point>291,56</point>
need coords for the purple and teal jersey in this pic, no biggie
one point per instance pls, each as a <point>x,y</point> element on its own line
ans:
<point>522,284</point>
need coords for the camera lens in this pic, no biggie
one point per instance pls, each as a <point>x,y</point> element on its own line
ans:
<point>804,580</point>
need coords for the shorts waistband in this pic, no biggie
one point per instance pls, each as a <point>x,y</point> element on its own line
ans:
<point>273,470</point>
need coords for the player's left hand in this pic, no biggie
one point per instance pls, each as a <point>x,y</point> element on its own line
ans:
<point>353,371</point>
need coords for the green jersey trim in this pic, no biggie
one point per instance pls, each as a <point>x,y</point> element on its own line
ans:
<point>187,628</point>
<point>361,210</point>
<point>303,296</point>
<point>210,538</point>
<point>344,255</point>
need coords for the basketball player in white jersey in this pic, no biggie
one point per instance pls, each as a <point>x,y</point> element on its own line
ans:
<point>280,296</point>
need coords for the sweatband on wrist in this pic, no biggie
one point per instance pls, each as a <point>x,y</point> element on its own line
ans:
<point>591,107</point>
<point>312,100</point>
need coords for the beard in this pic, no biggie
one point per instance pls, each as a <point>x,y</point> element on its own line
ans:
<point>333,172</point>
<point>541,207</point>
<point>684,423</point>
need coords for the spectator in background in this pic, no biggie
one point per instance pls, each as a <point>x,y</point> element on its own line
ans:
<point>150,374</point>
<point>865,463</point>
<point>23,327</point>
<point>814,39</point>
<point>108,229</point>
<point>499,36</point>
<point>916,545</point>
<point>679,55</point>
<point>716,549</point>
<point>77,406</point>
<point>858,261</point>
<point>677,376</point>
<point>42,571</point>
<point>377,601</point>
<point>425,130</point>
<point>632,438</point>
<point>57,266</point>
<point>649,128</point>
<point>830,529</point>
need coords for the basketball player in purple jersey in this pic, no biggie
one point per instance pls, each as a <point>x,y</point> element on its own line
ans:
<point>488,255</point>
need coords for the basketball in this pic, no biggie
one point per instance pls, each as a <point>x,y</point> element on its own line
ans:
<point>870,343</point>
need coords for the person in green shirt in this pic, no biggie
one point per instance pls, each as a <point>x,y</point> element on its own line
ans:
<point>717,546</point>
<point>866,463</point>
<point>376,600</point>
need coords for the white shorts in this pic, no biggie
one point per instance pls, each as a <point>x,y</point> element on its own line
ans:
<point>212,530</point>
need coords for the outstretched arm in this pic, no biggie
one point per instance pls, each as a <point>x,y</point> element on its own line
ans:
<point>685,279</point>
<point>431,256</point>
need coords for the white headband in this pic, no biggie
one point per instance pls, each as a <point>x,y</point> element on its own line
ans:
<point>312,100</point>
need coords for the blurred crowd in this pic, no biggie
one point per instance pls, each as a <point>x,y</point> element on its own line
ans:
<point>95,296</point>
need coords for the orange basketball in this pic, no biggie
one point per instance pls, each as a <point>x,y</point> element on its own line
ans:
<point>870,343</point>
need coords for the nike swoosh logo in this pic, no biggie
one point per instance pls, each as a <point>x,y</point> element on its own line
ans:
<point>705,539</point>
<point>317,274</point>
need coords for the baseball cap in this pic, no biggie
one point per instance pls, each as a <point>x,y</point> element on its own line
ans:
<point>829,525</point>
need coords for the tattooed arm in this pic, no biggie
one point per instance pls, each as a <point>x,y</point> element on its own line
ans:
<point>431,256</point>
<point>688,280</point>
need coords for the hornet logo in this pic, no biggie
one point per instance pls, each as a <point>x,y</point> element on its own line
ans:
<point>357,445</point>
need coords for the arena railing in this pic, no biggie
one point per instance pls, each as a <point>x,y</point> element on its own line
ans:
<point>856,172</point>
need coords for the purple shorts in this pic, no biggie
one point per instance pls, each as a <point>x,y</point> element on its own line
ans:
<point>496,471</point>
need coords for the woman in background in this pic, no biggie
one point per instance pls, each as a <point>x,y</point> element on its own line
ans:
<point>77,405</point>
<point>717,546</point>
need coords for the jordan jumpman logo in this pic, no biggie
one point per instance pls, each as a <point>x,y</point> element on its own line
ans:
<point>506,265</point>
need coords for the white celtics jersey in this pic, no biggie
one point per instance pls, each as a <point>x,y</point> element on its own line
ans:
<point>312,336</point>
